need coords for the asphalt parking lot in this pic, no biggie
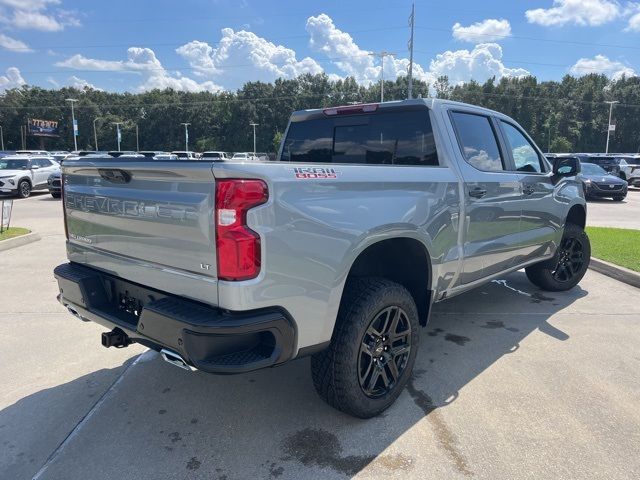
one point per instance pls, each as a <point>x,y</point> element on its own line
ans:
<point>510,382</point>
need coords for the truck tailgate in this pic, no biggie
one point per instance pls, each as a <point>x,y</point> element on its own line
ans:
<point>150,222</point>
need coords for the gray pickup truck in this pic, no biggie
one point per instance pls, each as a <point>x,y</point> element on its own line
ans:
<point>338,250</point>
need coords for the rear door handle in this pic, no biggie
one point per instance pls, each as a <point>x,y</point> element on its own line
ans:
<point>477,192</point>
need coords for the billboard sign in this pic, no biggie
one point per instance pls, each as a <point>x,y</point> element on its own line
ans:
<point>42,128</point>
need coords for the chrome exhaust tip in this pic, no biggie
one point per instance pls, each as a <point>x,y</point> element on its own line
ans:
<point>176,360</point>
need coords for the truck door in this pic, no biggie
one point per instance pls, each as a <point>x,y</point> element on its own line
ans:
<point>492,197</point>
<point>541,211</point>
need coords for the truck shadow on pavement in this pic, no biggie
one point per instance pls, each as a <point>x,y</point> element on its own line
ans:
<point>162,422</point>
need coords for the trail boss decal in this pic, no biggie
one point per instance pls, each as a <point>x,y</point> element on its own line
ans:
<point>306,173</point>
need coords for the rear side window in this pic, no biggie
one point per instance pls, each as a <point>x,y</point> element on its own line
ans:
<point>478,141</point>
<point>384,138</point>
<point>525,156</point>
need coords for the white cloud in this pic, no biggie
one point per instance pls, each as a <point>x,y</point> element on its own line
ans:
<point>479,64</point>
<point>578,12</point>
<point>634,20</point>
<point>40,15</point>
<point>243,56</point>
<point>13,44</point>
<point>489,30</point>
<point>353,61</point>
<point>81,83</point>
<point>602,65</point>
<point>12,79</point>
<point>142,61</point>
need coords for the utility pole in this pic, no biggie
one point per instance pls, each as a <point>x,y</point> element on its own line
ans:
<point>412,19</point>
<point>95,133</point>
<point>75,125</point>
<point>137,140</point>
<point>611,104</point>
<point>186,136</point>
<point>382,54</point>
<point>254,125</point>
<point>119,136</point>
<point>1,138</point>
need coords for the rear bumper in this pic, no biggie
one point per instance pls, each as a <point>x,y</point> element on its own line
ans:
<point>210,339</point>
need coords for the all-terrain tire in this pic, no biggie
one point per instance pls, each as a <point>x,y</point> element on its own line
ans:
<point>337,370</point>
<point>565,270</point>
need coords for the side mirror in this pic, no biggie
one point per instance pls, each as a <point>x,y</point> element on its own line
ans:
<point>566,167</point>
<point>35,167</point>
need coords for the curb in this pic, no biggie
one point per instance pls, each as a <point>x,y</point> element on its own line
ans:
<point>614,271</point>
<point>19,241</point>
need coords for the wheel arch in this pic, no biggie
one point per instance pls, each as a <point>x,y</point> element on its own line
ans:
<point>577,215</point>
<point>404,260</point>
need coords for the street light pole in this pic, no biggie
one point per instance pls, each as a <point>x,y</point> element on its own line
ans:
<point>382,54</point>
<point>1,137</point>
<point>117,124</point>
<point>254,125</point>
<point>137,140</point>
<point>95,133</point>
<point>186,136</point>
<point>611,104</point>
<point>75,126</point>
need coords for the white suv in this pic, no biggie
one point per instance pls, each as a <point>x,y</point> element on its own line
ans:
<point>20,174</point>
<point>630,169</point>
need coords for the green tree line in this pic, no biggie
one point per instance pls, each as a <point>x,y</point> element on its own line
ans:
<point>566,115</point>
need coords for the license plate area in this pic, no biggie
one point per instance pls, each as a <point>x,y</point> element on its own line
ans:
<point>127,300</point>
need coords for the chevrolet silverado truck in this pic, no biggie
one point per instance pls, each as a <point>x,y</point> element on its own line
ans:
<point>338,249</point>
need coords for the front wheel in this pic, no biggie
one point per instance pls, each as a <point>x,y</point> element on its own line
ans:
<point>24,189</point>
<point>372,351</point>
<point>56,194</point>
<point>565,270</point>
<point>618,198</point>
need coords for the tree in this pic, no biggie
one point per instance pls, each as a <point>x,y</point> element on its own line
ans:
<point>561,145</point>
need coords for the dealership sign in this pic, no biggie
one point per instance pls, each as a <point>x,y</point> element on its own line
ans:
<point>5,214</point>
<point>42,128</point>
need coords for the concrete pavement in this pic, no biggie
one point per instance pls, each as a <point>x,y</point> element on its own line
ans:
<point>510,382</point>
<point>607,213</point>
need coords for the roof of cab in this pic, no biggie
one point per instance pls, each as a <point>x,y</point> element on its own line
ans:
<point>432,103</point>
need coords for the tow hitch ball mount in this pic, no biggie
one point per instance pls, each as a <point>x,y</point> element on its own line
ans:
<point>116,338</point>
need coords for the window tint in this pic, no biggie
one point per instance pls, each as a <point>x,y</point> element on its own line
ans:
<point>478,141</point>
<point>524,155</point>
<point>391,138</point>
<point>43,162</point>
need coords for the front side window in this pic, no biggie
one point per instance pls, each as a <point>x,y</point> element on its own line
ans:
<point>384,138</point>
<point>524,155</point>
<point>478,141</point>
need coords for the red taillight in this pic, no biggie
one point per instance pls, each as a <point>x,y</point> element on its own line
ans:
<point>238,247</point>
<point>64,206</point>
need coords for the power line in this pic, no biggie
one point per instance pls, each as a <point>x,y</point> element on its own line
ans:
<point>538,39</point>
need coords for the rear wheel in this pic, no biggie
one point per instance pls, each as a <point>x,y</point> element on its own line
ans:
<point>372,351</point>
<point>568,266</point>
<point>24,189</point>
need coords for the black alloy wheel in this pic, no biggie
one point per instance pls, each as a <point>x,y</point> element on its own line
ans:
<point>570,260</point>
<point>384,352</point>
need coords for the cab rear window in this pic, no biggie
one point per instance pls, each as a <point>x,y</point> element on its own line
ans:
<point>384,138</point>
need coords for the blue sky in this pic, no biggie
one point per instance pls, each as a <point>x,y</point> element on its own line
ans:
<point>220,44</point>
